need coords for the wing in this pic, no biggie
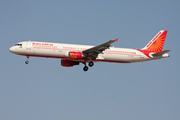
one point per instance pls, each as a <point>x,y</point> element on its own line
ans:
<point>93,52</point>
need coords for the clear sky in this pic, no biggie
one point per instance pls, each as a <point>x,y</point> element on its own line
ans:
<point>44,90</point>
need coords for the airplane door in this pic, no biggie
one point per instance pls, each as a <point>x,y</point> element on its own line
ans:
<point>28,45</point>
<point>60,48</point>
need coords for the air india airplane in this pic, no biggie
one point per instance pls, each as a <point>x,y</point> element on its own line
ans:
<point>73,54</point>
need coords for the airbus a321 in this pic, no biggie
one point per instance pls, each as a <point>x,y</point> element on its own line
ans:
<point>73,54</point>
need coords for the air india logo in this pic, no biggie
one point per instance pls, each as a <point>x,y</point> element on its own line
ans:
<point>156,45</point>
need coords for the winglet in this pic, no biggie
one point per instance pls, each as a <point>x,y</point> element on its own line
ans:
<point>116,39</point>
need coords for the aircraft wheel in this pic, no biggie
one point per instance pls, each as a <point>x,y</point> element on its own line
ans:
<point>85,68</point>
<point>91,64</point>
<point>27,62</point>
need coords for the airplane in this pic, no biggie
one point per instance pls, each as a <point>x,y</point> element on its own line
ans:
<point>74,54</point>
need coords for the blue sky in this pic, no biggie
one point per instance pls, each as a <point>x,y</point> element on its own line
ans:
<point>44,90</point>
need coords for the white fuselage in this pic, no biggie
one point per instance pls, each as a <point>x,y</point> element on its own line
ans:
<point>59,50</point>
<point>73,54</point>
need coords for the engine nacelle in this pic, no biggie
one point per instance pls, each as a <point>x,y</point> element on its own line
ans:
<point>68,63</point>
<point>75,55</point>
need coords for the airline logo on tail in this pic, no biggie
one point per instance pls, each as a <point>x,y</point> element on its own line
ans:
<point>157,43</point>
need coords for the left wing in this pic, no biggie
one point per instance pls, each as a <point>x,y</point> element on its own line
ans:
<point>93,52</point>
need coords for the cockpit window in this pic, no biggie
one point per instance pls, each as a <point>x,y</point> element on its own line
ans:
<point>18,44</point>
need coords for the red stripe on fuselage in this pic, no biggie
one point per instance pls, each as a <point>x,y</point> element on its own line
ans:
<point>145,52</point>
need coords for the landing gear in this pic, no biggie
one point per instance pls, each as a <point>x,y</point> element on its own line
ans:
<point>85,68</point>
<point>91,64</point>
<point>27,61</point>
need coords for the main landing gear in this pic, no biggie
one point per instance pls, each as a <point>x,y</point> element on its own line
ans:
<point>91,64</point>
<point>27,61</point>
<point>86,67</point>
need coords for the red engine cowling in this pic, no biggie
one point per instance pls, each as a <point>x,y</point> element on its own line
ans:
<point>68,63</point>
<point>75,55</point>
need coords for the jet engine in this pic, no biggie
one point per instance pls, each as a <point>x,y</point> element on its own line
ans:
<point>68,63</point>
<point>75,55</point>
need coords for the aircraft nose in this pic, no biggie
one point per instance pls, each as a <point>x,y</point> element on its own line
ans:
<point>11,49</point>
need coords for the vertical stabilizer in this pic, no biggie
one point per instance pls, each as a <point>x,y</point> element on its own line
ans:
<point>157,43</point>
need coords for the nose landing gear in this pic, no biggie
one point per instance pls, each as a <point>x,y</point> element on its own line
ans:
<point>27,61</point>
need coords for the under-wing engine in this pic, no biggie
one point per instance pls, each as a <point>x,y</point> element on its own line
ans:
<point>75,55</point>
<point>68,63</point>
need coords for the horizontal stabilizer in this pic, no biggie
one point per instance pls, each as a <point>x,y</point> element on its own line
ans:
<point>160,53</point>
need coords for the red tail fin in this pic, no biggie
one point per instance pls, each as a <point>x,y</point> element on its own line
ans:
<point>157,43</point>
